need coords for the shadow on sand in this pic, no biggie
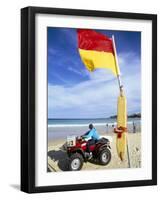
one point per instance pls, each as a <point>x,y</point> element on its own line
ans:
<point>94,162</point>
<point>61,158</point>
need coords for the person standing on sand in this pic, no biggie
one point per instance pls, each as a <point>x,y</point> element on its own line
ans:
<point>107,127</point>
<point>92,136</point>
<point>134,127</point>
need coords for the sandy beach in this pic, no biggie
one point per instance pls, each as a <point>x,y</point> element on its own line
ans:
<point>58,160</point>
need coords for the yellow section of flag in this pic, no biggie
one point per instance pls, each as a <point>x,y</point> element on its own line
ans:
<point>98,59</point>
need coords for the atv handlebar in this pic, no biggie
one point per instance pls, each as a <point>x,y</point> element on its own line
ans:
<point>81,138</point>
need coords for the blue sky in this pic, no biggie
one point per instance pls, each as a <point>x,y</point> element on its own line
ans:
<point>74,92</point>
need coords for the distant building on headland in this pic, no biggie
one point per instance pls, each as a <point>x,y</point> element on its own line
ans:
<point>135,115</point>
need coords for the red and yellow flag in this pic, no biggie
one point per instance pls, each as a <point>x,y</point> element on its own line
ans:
<point>96,50</point>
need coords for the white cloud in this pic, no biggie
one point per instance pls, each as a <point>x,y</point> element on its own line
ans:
<point>101,75</point>
<point>82,72</point>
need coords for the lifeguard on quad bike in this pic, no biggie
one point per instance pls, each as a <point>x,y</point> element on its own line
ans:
<point>87,147</point>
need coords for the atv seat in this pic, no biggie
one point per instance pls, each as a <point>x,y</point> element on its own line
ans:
<point>102,141</point>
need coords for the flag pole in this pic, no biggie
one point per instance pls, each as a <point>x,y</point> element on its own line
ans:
<point>121,89</point>
<point>117,64</point>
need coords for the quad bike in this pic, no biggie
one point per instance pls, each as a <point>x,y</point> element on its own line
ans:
<point>77,152</point>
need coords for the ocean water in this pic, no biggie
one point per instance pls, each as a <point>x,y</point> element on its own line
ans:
<point>78,122</point>
<point>61,128</point>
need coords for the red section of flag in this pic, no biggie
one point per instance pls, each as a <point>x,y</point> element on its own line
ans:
<point>92,40</point>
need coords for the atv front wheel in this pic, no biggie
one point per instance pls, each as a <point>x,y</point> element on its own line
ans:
<point>75,162</point>
<point>105,157</point>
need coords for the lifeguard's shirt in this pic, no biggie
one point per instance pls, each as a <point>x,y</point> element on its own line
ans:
<point>93,134</point>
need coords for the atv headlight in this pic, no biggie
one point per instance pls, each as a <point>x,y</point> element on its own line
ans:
<point>71,141</point>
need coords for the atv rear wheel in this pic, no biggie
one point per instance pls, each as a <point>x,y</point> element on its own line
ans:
<point>105,157</point>
<point>76,162</point>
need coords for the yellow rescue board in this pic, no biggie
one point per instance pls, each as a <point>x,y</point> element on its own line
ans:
<point>121,139</point>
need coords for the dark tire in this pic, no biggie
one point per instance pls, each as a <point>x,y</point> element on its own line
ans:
<point>104,157</point>
<point>76,162</point>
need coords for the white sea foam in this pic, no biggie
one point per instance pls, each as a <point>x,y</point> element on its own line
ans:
<point>77,125</point>
<point>83,125</point>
